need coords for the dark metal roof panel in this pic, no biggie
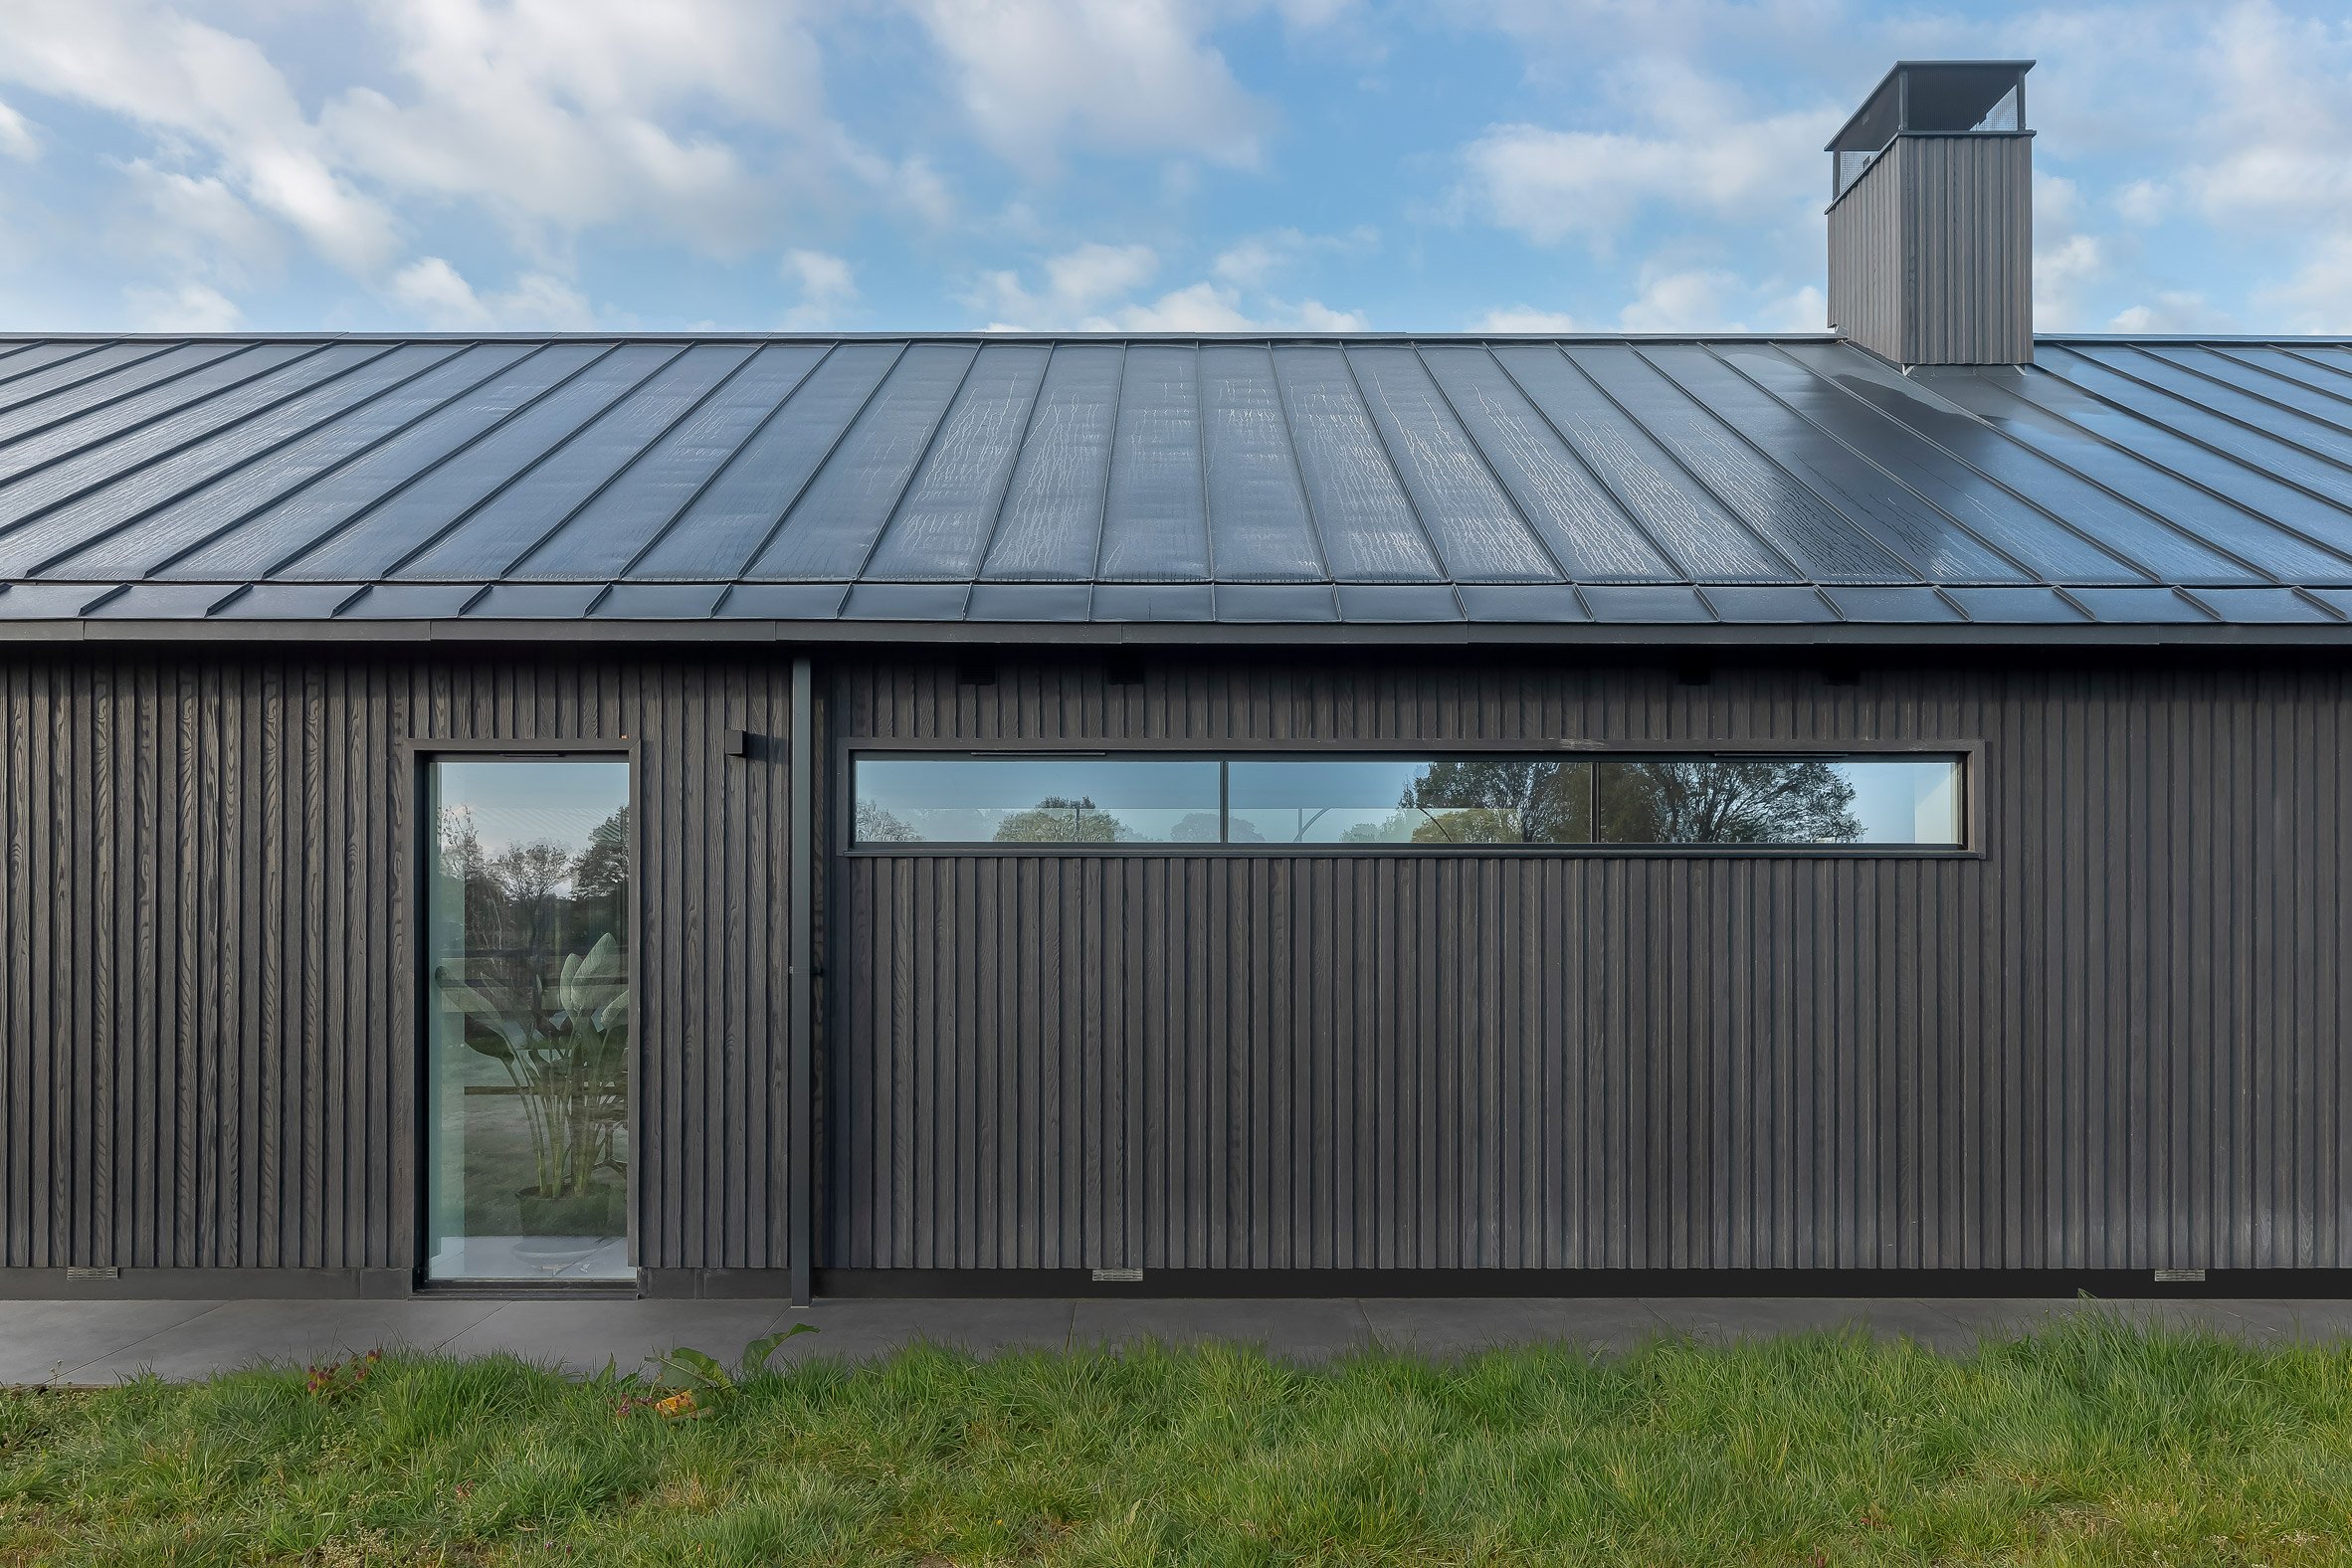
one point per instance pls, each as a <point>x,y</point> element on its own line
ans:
<point>1049,526</point>
<point>976,480</point>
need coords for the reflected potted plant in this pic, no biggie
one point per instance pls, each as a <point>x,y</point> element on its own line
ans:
<point>565,1047</point>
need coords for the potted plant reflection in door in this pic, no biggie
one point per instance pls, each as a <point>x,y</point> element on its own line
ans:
<point>542,991</point>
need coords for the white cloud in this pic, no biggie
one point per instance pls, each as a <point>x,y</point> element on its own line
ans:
<point>197,226</point>
<point>439,295</point>
<point>1554,185</point>
<point>1137,76</point>
<point>190,307</point>
<point>1255,261</point>
<point>564,115</point>
<point>199,85</point>
<point>16,136</point>
<point>826,284</point>
<point>1716,299</point>
<point>2068,265</point>
<point>2318,294</point>
<point>2172,310</point>
<point>2145,202</point>
<point>1091,289</point>
<point>1524,318</point>
<point>1077,284</point>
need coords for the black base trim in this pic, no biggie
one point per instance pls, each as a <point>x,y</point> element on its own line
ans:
<point>2119,1284</point>
<point>198,1285</point>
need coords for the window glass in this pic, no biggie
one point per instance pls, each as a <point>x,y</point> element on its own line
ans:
<point>1756,801</point>
<point>527,999</point>
<point>1461,800</point>
<point>1037,800</point>
<point>1780,800</point>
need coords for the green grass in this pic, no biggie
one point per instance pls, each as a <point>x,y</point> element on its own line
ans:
<point>2093,1442</point>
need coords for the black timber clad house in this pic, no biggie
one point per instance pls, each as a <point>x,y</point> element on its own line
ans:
<point>955,812</point>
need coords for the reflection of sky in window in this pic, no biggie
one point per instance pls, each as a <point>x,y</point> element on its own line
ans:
<point>969,800</point>
<point>531,801</point>
<point>1903,802</point>
<point>1298,801</point>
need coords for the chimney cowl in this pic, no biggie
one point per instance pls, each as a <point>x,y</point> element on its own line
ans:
<point>1931,221</point>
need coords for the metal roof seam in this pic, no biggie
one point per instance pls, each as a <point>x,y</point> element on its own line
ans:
<point>1892,478</point>
<point>1957,608</point>
<point>2223,414</point>
<point>2310,598</point>
<point>775,528</point>
<point>996,514</point>
<point>1119,400</point>
<point>693,406</point>
<point>1396,472</point>
<point>1200,453</point>
<point>211,535</point>
<point>719,470</point>
<point>1592,469</point>
<point>410,480</point>
<point>1960,412</point>
<point>2300,352</point>
<point>530,467</point>
<point>1797,573</point>
<point>162,347</point>
<point>70,453</point>
<point>2175,359</point>
<point>2197,604</point>
<point>165,454</point>
<point>1315,525</point>
<point>2147,462</point>
<point>133,390</point>
<point>1486,461</point>
<point>1775,465</point>
<point>922,459</point>
<point>2269,474</point>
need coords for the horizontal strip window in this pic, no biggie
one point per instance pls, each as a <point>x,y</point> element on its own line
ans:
<point>1905,801</point>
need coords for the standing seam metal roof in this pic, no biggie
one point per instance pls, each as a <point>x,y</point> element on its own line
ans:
<point>1670,482</point>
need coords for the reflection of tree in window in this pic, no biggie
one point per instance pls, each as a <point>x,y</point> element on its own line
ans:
<point>1198,827</point>
<point>877,826</point>
<point>1487,800</point>
<point>1056,820</point>
<point>1711,802</point>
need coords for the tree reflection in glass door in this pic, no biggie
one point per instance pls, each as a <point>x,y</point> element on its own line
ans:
<point>527,990</point>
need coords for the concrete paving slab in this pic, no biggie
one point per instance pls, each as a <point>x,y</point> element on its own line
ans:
<point>859,1330</point>
<point>2003,1317</point>
<point>39,1339</point>
<point>1464,1325</point>
<point>2302,1322</point>
<point>581,1335</point>
<point>1295,1330</point>
<point>1722,1319</point>
<point>238,1334</point>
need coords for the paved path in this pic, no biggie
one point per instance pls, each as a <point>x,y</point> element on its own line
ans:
<point>95,1343</point>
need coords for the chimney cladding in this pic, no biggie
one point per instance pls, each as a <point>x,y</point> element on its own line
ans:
<point>1931,215</point>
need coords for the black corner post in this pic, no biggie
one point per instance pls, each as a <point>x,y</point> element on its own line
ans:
<point>803,982</point>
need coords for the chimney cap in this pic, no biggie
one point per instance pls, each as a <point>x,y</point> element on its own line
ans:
<point>1944,96</point>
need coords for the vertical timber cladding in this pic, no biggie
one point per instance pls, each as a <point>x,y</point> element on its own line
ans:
<point>207,1039</point>
<point>2115,1041</point>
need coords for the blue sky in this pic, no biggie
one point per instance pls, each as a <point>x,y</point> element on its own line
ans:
<point>1292,165</point>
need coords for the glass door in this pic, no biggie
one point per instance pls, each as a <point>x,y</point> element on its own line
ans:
<point>529,1018</point>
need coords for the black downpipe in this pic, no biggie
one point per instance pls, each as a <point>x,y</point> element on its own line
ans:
<point>803,983</point>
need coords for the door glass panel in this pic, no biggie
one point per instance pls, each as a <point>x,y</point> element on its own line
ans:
<point>528,999</point>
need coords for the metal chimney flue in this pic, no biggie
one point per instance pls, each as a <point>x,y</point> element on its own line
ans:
<point>1931,215</point>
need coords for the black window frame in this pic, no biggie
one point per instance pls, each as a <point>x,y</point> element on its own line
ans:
<point>1968,752</point>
